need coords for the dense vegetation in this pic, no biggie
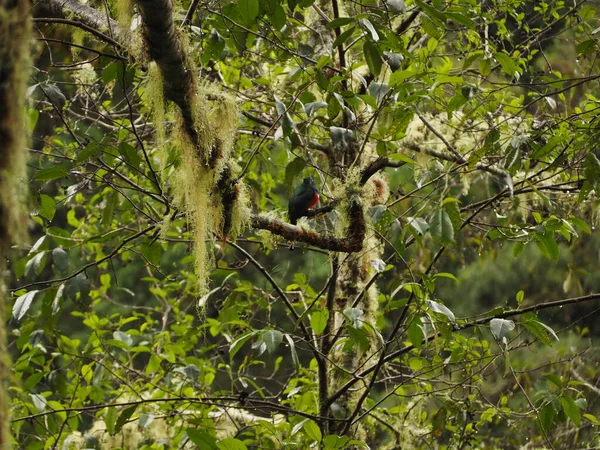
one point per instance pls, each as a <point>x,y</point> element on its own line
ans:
<point>442,294</point>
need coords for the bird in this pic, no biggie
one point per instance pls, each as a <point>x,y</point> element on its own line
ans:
<point>304,197</point>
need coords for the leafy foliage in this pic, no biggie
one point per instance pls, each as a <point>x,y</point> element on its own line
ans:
<point>455,141</point>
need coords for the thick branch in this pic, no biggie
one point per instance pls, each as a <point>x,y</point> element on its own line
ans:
<point>166,50</point>
<point>351,244</point>
<point>86,18</point>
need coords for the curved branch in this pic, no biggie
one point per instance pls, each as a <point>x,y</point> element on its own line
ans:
<point>87,19</point>
<point>352,244</point>
<point>380,163</point>
<point>166,50</point>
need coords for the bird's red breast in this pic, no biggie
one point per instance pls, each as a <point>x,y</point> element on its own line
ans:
<point>314,200</point>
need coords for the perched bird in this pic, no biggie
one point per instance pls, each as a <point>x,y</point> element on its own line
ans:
<point>305,197</point>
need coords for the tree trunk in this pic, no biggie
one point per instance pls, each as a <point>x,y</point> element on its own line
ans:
<point>14,65</point>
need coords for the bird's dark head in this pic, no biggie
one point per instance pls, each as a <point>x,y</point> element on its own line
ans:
<point>308,181</point>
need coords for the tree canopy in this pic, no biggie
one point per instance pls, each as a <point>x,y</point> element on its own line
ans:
<point>442,293</point>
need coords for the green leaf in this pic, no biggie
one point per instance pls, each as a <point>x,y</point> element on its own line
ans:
<point>277,17</point>
<point>501,327</point>
<point>547,245</point>
<point>39,401</point>
<point>202,439</point>
<point>152,252</point>
<point>460,19</point>
<point>592,170</point>
<point>359,340</point>
<point>582,225</point>
<point>549,146</point>
<point>293,352</point>
<point>292,170</point>
<point>415,333</point>
<point>366,23</point>
<point>432,28</point>
<point>60,258</point>
<point>231,444</point>
<point>248,10</point>
<point>340,21</point>
<point>123,337</point>
<point>124,417</point>
<point>445,275</point>
<point>538,329</point>
<point>110,419</point>
<point>311,108</point>
<point>442,309</point>
<point>129,154</point>
<point>571,409</point>
<point>32,118</point>
<point>47,207</point>
<point>373,57</point>
<point>451,207</point>
<point>313,431</point>
<point>51,173</point>
<point>355,316</point>
<point>89,150</point>
<point>441,227</point>
<point>109,209</point>
<point>400,76</point>
<point>432,13</point>
<point>146,419</point>
<point>272,339</point>
<point>334,442</point>
<point>519,297</point>
<point>318,320</point>
<point>418,224</point>
<point>342,38</point>
<point>518,248</point>
<point>485,67</point>
<point>401,157</point>
<point>23,304</point>
<point>546,417</point>
<point>35,265</point>
<point>236,345</point>
<point>508,65</point>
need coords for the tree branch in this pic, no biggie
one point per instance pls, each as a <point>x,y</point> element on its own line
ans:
<point>483,321</point>
<point>87,19</point>
<point>166,50</point>
<point>351,244</point>
<point>380,163</point>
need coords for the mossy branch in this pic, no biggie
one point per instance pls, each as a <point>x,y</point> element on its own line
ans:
<point>87,18</point>
<point>351,244</point>
<point>165,48</point>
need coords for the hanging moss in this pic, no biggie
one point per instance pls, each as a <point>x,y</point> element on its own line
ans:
<point>123,12</point>
<point>77,37</point>
<point>206,186</point>
<point>155,92</point>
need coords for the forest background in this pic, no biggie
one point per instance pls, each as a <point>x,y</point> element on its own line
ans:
<point>442,295</point>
